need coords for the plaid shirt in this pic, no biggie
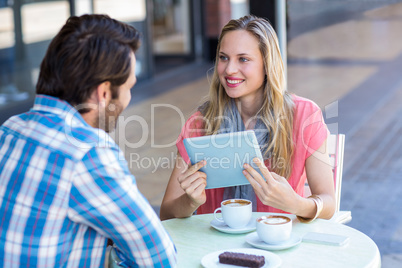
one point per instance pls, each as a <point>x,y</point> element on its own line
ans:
<point>64,189</point>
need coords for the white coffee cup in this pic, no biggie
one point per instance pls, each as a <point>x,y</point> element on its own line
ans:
<point>236,213</point>
<point>274,229</point>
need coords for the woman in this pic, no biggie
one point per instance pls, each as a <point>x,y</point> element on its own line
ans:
<point>248,91</point>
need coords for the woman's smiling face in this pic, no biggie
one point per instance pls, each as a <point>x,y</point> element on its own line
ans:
<point>240,65</point>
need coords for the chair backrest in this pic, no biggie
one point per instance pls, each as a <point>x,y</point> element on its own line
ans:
<point>336,145</point>
<point>335,149</point>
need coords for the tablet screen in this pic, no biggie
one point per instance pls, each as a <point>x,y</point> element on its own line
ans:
<point>225,155</point>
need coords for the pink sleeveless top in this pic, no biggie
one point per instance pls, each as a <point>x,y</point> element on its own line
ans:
<point>309,132</point>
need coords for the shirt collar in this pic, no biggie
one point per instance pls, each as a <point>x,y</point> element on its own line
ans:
<point>46,103</point>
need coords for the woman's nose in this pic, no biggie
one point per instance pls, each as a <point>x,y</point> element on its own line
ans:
<point>231,67</point>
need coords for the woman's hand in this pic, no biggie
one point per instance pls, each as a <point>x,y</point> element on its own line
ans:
<point>185,191</point>
<point>193,182</point>
<point>272,189</point>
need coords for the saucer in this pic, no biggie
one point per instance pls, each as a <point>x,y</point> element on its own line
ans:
<point>255,241</point>
<point>223,227</point>
<point>211,260</point>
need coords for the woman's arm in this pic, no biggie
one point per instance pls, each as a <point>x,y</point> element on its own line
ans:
<point>275,191</point>
<point>321,181</point>
<point>185,191</point>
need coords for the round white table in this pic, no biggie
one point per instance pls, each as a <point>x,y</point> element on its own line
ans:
<point>194,238</point>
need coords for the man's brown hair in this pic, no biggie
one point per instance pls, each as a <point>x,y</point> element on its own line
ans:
<point>88,51</point>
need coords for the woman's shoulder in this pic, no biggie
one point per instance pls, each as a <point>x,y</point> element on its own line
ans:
<point>196,120</point>
<point>306,112</point>
<point>302,103</point>
<point>196,115</point>
<point>194,125</point>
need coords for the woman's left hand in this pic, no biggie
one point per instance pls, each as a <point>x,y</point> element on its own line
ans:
<point>274,191</point>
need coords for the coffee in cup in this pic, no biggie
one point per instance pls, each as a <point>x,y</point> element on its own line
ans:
<point>274,229</point>
<point>236,213</point>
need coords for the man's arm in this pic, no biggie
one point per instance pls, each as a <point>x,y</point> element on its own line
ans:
<point>105,197</point>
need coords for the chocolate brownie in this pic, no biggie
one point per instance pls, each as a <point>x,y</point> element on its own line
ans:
<point>242,259</point>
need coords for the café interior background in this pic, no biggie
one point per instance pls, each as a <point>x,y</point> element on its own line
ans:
<point>171,29</point>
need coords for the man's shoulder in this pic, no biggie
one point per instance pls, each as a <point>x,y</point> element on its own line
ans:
<point>84,137</point>
<point>58,133</point>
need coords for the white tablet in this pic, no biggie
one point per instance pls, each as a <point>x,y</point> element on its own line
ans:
<point>327,239</point>
<point>225,155</point>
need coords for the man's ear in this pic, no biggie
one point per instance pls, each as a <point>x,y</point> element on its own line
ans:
<point>103,93</point>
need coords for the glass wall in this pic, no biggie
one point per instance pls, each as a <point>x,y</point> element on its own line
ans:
<point>171,27</point>
<point>26,29</point>
<point>239,8</point>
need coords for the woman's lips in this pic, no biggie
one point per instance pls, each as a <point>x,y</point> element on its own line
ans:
<point>231,82</point>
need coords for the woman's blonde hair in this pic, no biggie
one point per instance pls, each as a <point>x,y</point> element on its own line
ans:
<point>276,111</point>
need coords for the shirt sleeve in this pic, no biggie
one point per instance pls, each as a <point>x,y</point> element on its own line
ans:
<point>192,128</point>
<point>105,197</point>
<point>318,132</point>
<point>310,130</point>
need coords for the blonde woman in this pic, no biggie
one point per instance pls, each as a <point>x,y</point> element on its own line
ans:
<point>248,91</point>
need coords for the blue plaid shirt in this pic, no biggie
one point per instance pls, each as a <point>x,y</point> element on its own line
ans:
<point>65,188</point>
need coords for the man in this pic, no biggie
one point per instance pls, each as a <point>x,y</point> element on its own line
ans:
<point>65,188</point>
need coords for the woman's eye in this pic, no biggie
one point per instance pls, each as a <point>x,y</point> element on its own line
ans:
<point>243,59</point>
<point>221,57</point>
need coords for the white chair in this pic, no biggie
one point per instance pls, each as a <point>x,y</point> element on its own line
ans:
<point>113,260</point>
<point>335,146</point>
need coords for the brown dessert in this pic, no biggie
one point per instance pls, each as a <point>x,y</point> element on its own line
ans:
<point>242,259</point>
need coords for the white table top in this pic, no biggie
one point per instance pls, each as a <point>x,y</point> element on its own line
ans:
<point>194,238</point>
